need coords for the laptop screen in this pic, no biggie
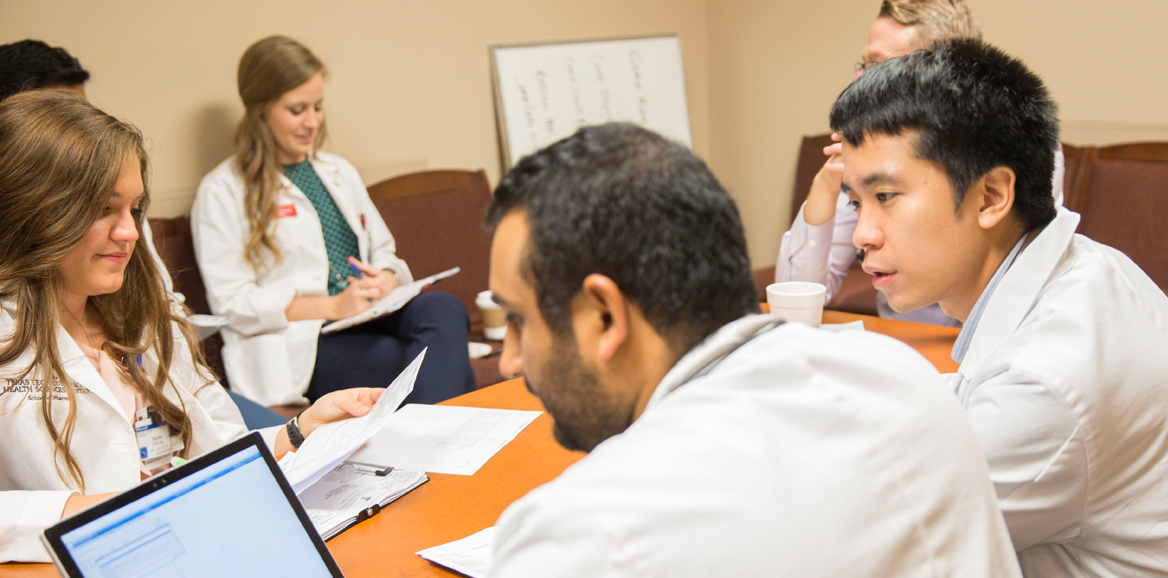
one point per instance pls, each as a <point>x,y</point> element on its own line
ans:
<point>228,518</point>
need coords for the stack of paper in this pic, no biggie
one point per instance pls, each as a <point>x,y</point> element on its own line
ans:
<point>334,493</point>
<point>470,556</point>
<point>332,444</point>
<point>337,500</point>
<point>444,439</point>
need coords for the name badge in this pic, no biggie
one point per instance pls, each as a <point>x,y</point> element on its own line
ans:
<point>157,442</point>
<point>288,210</point>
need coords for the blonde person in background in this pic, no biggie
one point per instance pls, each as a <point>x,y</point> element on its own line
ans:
<point>287,239</point>
<point>90,345</point>
<point>818,247</point>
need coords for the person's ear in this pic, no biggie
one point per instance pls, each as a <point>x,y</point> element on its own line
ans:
<point>605,305</point>
<point>997,196</point>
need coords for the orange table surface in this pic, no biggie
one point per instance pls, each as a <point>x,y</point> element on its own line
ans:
<point>450,507</point>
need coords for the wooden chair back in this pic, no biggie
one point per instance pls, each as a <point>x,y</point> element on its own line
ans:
<point>1075,159</point>
<point>176,247</point>
<point>1120,196</point>
<point>436,219</point>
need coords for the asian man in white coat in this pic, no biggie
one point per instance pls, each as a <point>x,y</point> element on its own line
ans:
<point>721,443</point>
<point>947,156</point>
<point>818,247</point>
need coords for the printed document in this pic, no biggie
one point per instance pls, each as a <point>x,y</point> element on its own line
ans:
<point>444,439</point>
<point>332,444</point>
<point>470,556</point>
<point>336,501</point>
<point>388,304</point>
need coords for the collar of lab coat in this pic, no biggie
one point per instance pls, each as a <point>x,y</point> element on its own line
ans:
<point>1014,297</point>
<point>329,173</point>
<point>79,369</point>
<point>710,350</point>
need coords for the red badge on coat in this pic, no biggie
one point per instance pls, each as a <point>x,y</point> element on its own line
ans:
<point>362,220</point>
<point>288,210</point>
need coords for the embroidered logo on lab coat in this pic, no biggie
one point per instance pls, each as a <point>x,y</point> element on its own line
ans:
<point>288,210</point>
<point>34,389</point>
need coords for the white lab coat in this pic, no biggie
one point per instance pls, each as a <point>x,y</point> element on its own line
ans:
<point>268,358</point>
<point>32,494</point>
<point>803,453</point>
<point>1066,382</point>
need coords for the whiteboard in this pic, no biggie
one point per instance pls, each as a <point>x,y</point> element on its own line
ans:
<point>543,93</point>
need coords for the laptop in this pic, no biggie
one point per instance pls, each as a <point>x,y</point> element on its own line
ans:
<point>227,513</point>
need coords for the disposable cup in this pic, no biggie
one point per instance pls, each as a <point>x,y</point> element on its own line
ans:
<point>798,301</point>
<point>494,320</point>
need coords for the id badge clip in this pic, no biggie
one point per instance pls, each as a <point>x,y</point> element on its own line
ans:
<point>156,440</point>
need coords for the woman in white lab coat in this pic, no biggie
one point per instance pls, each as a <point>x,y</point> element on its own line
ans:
<point>89,343</point>
<point>287,240</point>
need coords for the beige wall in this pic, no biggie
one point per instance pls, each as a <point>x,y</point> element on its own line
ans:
<point>410,84</point>
<point>411,88</point>
<point>776,67</point>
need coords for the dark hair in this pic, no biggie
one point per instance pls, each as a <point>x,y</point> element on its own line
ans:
<point>974,108</point>
<point>626,203</point>
<point>32,64</point>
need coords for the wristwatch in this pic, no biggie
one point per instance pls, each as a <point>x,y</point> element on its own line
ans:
<point>293,427</point>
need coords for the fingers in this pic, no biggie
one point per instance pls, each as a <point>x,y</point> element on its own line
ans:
<point>364,267</point>
<point>355,402</point>
<point>350,404</point>
<point>833,150</point>
<point>340,405</point>
<point>366,288</point>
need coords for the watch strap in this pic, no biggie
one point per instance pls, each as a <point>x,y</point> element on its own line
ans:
<point>293,428</point>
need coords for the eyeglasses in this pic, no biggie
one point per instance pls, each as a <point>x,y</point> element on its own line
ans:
<point>862,67</point>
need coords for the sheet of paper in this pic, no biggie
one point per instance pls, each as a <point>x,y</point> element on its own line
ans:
<point>330,445</point>
<point>857,325</point>
<point>334,501</point>
<point>207,325</point>
<point>470,555</point>
<point>388,304</point>
<point>443,439</point>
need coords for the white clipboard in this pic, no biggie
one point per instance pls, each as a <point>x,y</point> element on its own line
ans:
<point>388,304</point>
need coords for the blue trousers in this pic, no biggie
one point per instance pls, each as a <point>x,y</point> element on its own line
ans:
<point>373,354</point>
<point>256,416</point>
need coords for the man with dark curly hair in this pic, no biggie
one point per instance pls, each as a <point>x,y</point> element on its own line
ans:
<point>720,443</point>
<point>32,64</point>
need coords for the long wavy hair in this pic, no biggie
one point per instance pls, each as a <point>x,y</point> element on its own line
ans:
<point>60,158</point>
<point>268,69</point>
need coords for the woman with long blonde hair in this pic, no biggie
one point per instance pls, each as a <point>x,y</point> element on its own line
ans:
<point>287,240</point>
<point>90,345</point>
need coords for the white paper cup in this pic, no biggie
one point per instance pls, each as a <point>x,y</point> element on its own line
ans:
<point>494,320</point>
<point>797,301</point>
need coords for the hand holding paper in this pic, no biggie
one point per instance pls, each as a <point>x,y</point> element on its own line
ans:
<point>330,445</point>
